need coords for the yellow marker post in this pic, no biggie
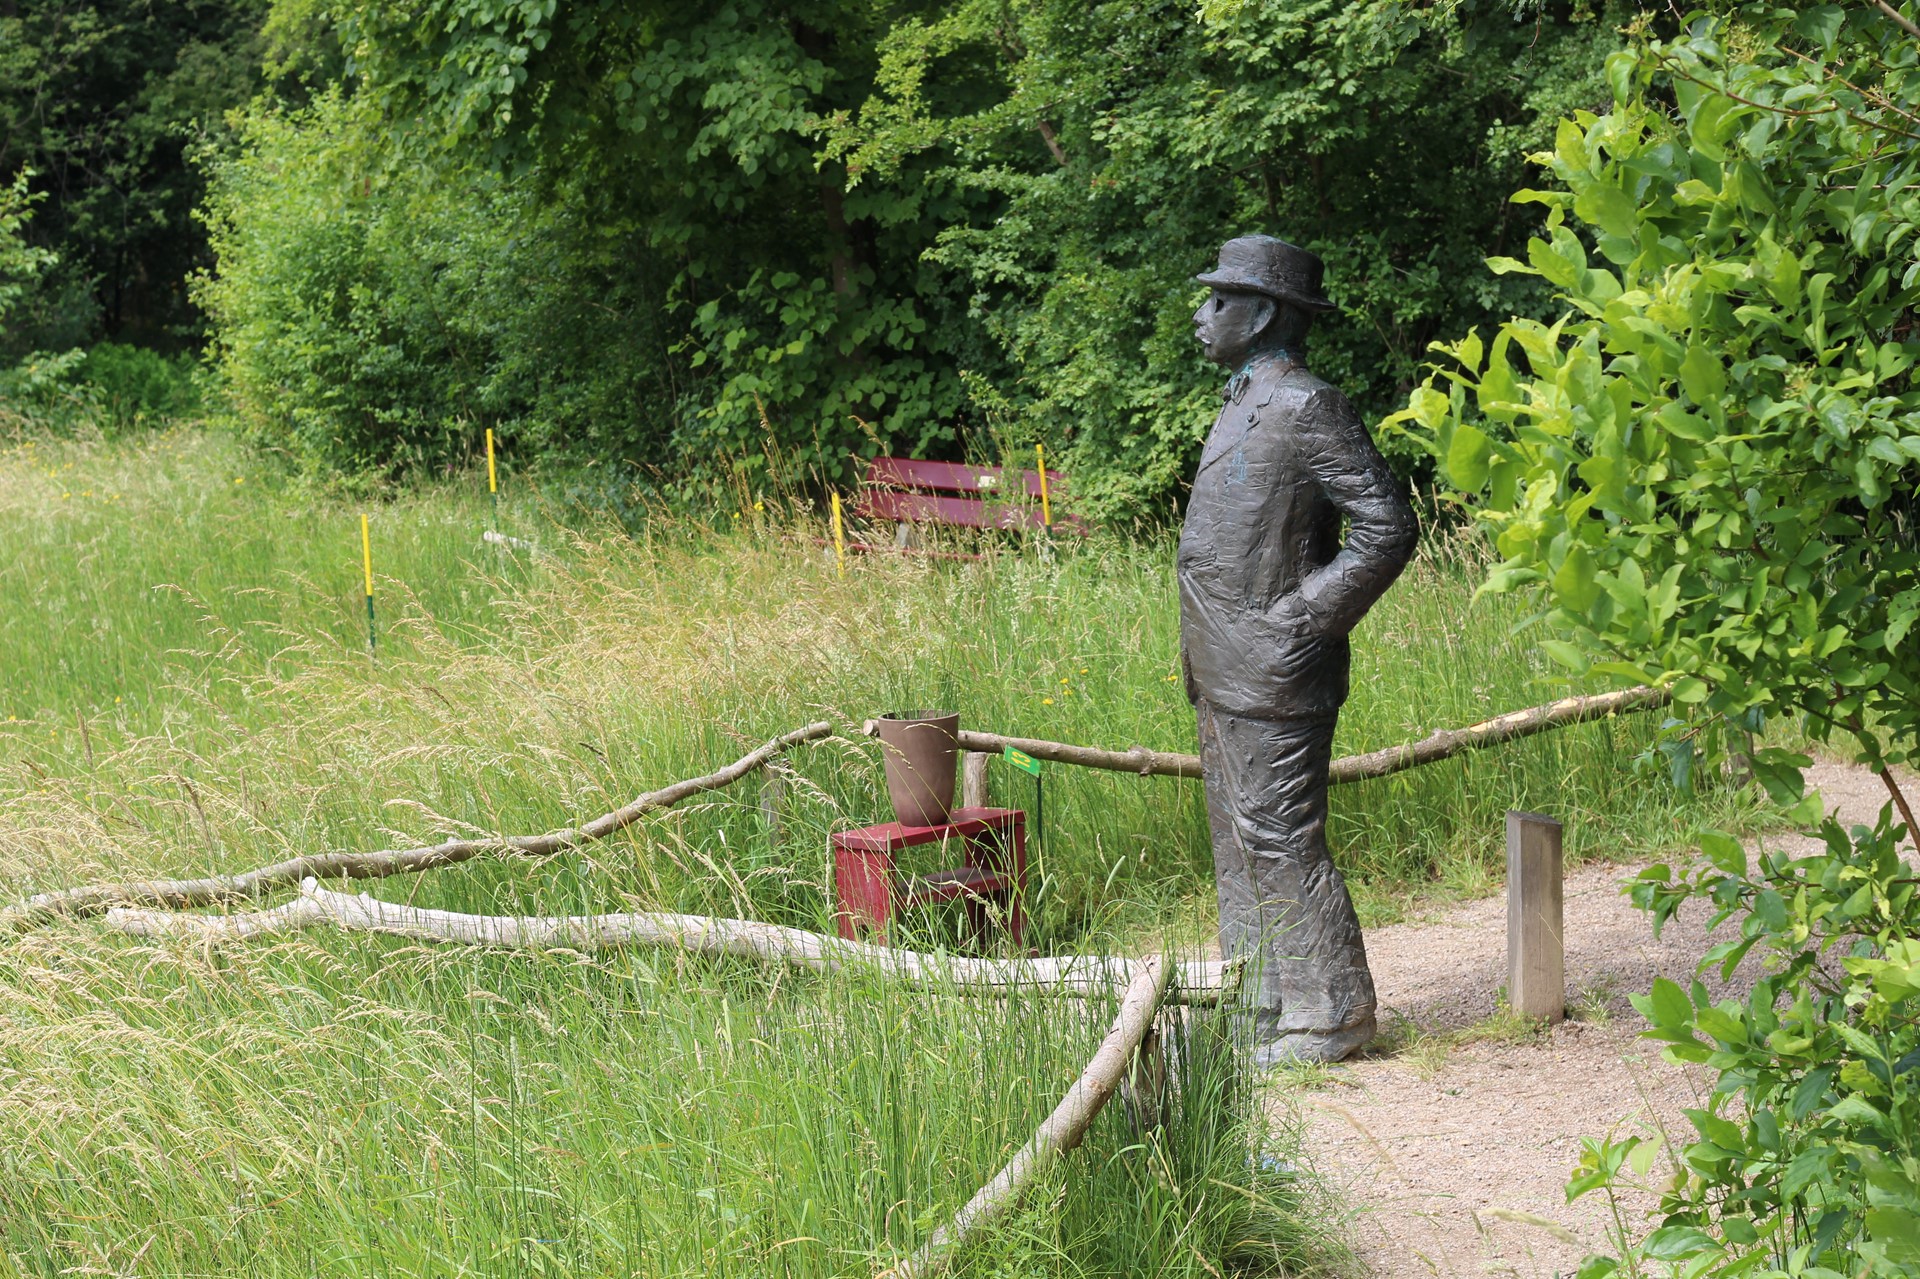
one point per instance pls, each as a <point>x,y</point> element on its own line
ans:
<point>839,538</point>
<point>1046,507</point>
<point>366,566</point>
<point>493,480</point>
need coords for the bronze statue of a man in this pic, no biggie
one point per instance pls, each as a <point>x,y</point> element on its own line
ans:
<point>1268,594</point>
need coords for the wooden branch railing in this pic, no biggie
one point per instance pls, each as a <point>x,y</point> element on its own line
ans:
<point>1135,759</point>
<point>1501,728</point>
<point>1353,768</point>
<point>249,885</point>
<point>217,889</point>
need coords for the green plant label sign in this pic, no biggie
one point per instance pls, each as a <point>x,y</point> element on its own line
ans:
<point>1021,760</point>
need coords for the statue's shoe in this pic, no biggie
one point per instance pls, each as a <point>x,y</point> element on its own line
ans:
<point>1314,1046</point>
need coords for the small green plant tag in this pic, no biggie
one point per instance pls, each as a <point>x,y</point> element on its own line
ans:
<point>1021,760</point>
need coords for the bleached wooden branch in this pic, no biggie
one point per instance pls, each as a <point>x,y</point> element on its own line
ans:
<point>1353,768</point>
<point>1194,981</point>
<point>513,543</point>
<point>216,889</point>
<point>1062,1130</point>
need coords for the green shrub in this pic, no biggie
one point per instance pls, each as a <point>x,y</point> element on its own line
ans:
<point>36,388</point>
<point>1807,1154</point>
<point>20,263</point>
<point>43,393</point>
<point>136,387</point>
<point>1702,475</point>
<point>371,314</point>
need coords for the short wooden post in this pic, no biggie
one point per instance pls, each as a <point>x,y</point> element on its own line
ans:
<point>773,789</point>
<point>1536,948</point>
<point>973,779</point>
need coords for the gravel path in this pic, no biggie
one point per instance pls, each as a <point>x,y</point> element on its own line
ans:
<point>1454,1160</point>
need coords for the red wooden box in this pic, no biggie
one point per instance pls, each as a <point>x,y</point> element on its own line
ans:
<point>870,892</point>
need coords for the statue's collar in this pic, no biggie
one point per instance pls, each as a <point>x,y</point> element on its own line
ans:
<point>1237,384</point>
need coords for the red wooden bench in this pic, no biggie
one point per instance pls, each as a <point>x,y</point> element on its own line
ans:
<point>911,492</point>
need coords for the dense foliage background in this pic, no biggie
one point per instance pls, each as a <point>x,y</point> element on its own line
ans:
<point>101,102</point>
<point>751,240</point>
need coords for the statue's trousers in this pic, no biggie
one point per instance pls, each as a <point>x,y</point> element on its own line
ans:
<point>1283,903</point>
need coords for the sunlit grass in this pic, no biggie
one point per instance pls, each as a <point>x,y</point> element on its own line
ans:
<point>185,686</point>
<point>209,638</point>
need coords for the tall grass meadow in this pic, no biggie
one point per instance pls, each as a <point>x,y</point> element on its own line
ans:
<point>187,687</point>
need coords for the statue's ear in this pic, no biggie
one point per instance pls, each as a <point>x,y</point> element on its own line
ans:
<point>1265,316</point>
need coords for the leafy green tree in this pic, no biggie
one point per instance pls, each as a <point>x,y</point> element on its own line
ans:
<point>1382,136</point>
<point>373,314</point>
<point>1704,470</point>
<point>800,305</point>
<point>102,99</point>
<point>1706,466</point>
<point>21,263</point>
<point>847,227</point>
<point>32,382</point>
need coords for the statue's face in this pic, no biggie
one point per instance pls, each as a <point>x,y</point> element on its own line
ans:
<point>1228,324</point>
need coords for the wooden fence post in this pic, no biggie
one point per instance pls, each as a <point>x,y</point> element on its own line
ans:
<point>973,779</point>
<point>773,790</point>
<point>1536,954</point>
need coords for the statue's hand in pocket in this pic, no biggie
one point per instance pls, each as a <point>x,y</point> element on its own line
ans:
<point>1297,637</point>
<point>1290,616</point>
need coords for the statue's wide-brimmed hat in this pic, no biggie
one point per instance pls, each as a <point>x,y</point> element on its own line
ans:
<point>1263,264</point>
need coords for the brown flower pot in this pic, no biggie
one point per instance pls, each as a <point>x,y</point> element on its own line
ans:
<point>921,750</point>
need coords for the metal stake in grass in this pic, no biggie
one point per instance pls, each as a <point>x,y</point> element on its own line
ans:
<point>493,482</point>
<point>366,566</point>
<point>839,538</point>
<point>1046,506</point>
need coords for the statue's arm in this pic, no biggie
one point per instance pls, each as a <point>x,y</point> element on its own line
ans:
<point>1382,529</point>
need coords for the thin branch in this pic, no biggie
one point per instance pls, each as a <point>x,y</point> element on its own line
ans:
<point>1197,981</point>
<point>1900,802</point>
<point>1673,69</point>
<point>1906,23</point>
<point>1052,140</point>
<point>1502,728</point>
<point>1135,759</point>
<point>1875,96</point>
<point>1885,774</point>
<point>1796,112</point>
